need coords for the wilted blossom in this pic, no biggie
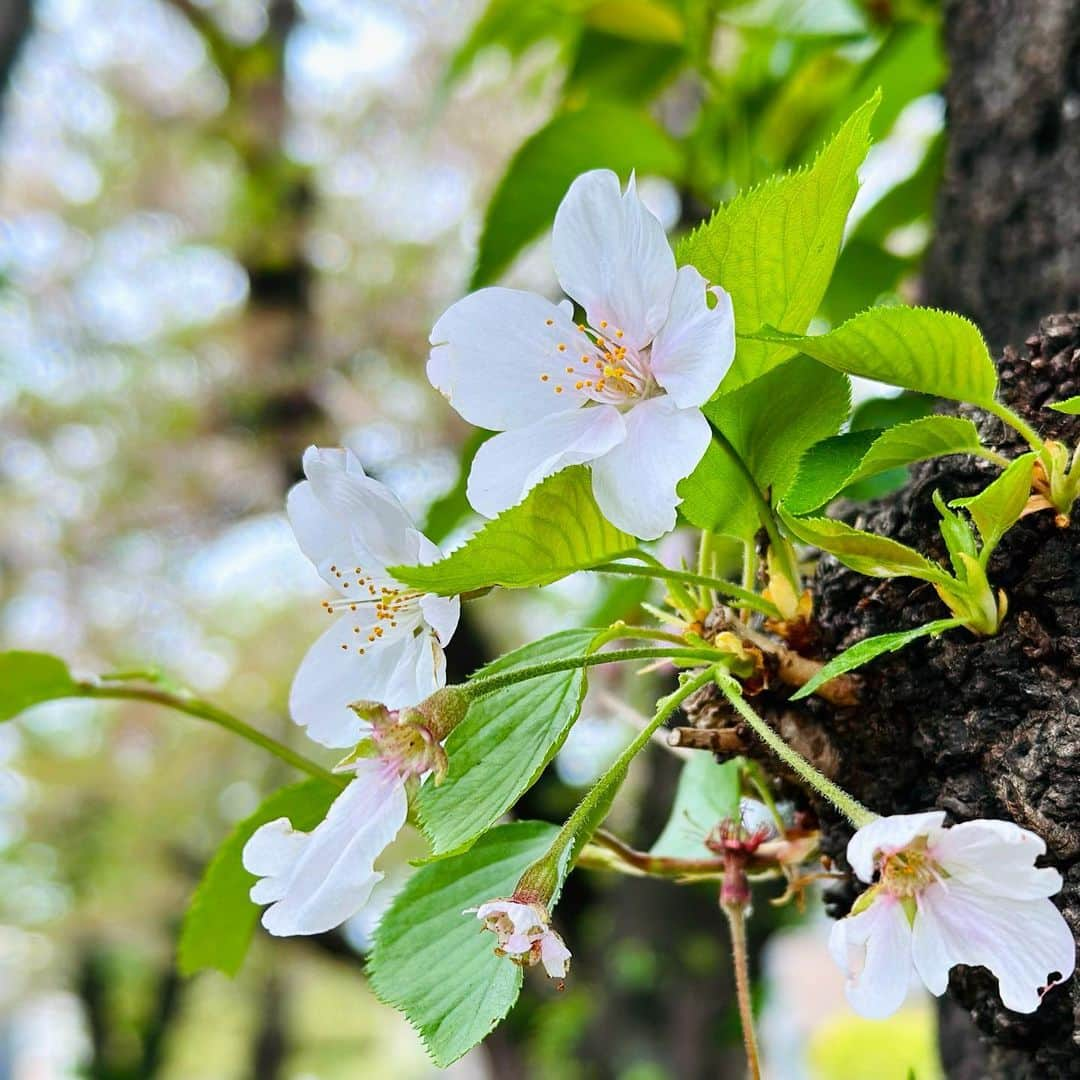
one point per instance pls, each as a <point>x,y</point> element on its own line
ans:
<point>386,643</point>
<point>525,935</point>
<point>621,390</point>
<point>970,894</point>
<point>315,881</point>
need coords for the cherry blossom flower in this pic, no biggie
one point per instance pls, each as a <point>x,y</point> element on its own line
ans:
<point>315,881</point>
<point>387,643</point>
<point>622,390</point>
<point>525,935</point>
<point>970,894</point>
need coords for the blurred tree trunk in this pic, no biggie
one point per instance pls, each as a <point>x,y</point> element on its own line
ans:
<point>1006,246</point>
<point>15,19</point>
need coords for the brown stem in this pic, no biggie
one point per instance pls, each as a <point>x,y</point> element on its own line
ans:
<point>736,917</point>
<point>715,740</point>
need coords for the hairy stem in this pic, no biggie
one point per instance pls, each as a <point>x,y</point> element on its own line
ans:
<point>1007,416</point>
<point>853,810</point>
<point>205,711</point>
<point>541,881</point>
<point>736,917</point>
<point>490,683</point>
<point>745,597</point>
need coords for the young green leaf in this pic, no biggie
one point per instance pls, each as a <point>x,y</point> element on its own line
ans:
<point>770,422</point>
<point>831,465</point>
<point>221,918</point>
<point>774,247</point>
<point>505,741</point>
<point>875,556</point>
<point>602,135</point>
<point>934,352</point>
<point>869,648</point>
<point>1070,406</point>
<point>999,505</point>
<point>556,530</point>
<point>436,964</point>
<point>708,793</point>
<point>27,678</point>
<point>958,535</point>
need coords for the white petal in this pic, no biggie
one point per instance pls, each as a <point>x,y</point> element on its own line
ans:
<point>324,877</point>
<point>408,667</point>
<point>491,349</point>
<point>611,255</point>
<point>554,955</point>
<point>873,949</point>
<point>508,466</point>
<point>441,613</point>
<point>340,500</point>
<point>635,483</point>
<point>997,857</point>
<point>400,668</point>
<point>888,834</point>
<point>1021,941</point>
<point>696,346</point>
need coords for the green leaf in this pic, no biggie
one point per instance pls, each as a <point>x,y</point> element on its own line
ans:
<point>869,648</point>
<point>557,530</point>
<point>875,556</point>
<point>612,68</point>
<point>437,965</point>
<point>1070,406</point>
<point>515,27</point>
<point>708,793</point>
<point>833,464</point>
<point>221,918</point>
<point>770,422</point>
<point>27,678</point>
<point>934,352</point>
<point>999,505</point>
<point>774,247</point>
<point>638,20</point>
<point>505,741</point>
<point>602,135</point>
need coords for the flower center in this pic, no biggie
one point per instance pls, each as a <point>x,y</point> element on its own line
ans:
<point>389,602</point>
<point>905,873</point>
<point>597,364</point>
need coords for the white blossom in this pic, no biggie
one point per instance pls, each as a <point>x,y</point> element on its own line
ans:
<point>970,894</point>
<point>525,935</point>
<point>315,881</point>
<point>622,390</point>
<point>386,643</point>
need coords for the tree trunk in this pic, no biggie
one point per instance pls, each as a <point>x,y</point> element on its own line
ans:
<point>1006,245</point>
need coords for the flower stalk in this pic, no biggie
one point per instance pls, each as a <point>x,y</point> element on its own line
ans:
<point>850,807</point>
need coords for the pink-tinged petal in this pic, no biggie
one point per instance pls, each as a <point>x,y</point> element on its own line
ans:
<point>370,511</point>
<point>508,466</point>
<point>1022,942</point>
<point>635,483</point>
<point>317,880</point>
<point>886,835</point>
<point>554,955</point>
<point>996,857</point>
<point>612,256</point>
<point>873,949</point>
<point>491,351</point>
<point>696,346</point>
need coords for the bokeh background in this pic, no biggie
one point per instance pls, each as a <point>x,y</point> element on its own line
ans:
<point>226,227</point>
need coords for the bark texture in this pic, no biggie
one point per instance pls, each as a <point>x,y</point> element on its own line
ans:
<point>1007,237</point>
<point>982,728</point>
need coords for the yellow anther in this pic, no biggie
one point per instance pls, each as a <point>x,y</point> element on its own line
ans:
<point>603,324</point>
<point>558,389</point>
<point>618,333</point>
<point>578,385</point>
<point>544,378</point>
<point>550,322</point>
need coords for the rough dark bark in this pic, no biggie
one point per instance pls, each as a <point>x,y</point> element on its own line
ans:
<point>983,728</point>
<point>1007,238</point>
